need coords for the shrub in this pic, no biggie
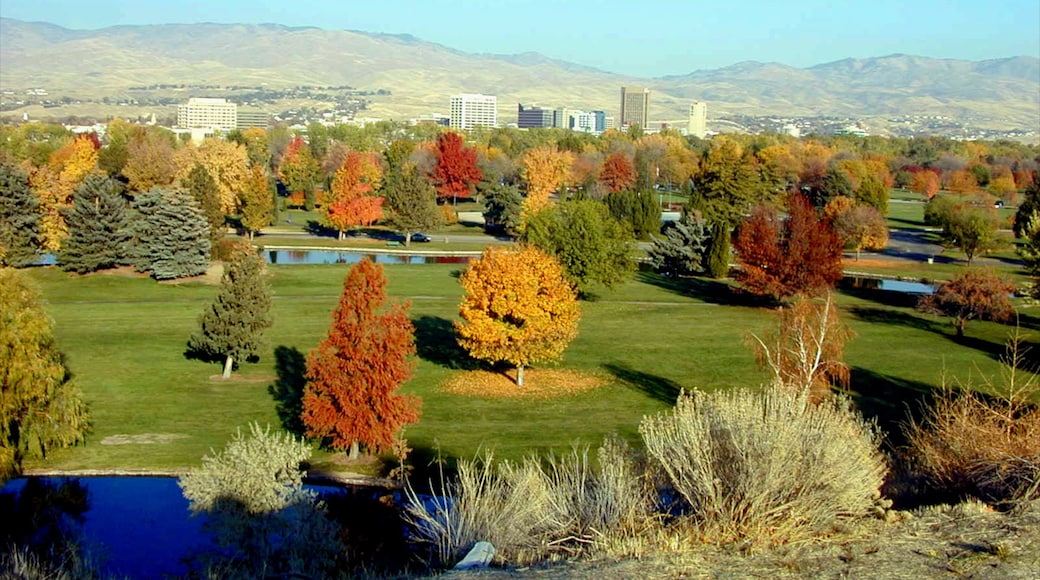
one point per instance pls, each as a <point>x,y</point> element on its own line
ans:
<point>971,444</point>
<point>531,511</point>
<point>766,467</point>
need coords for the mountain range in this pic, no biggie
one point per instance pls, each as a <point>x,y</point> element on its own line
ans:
<point>420,76</point>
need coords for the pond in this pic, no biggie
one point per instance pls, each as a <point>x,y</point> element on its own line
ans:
<point>133,527</point>
<point>287,257</point>
<point>887,285</point>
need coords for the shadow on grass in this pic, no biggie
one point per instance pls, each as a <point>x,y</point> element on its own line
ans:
<point>435,342</point>
<point>660,388</point>
<point>704,289</point>
<point>315,228</point>
<point>861,288</point>
<point>287,391</point>
<point>886,316</point>
<point>890,401</point>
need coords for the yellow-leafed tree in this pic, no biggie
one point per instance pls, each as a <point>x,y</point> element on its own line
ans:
<point>66,169</point>
<point>519,308</point>
<point>227,163</point>
<point>545,169</point>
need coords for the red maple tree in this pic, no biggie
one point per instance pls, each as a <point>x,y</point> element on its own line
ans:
<point>456,171</point>
<point>617,173</point>
<point>353,375</point>
<point>785,256</point>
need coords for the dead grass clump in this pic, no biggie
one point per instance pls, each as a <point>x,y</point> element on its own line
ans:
<point>986,446</point>
<point>538,384</point>
<point>766,467</point>
<point>533,510</point>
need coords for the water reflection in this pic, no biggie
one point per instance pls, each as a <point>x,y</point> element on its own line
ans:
<point>286,257</point>
<point>900,286</point>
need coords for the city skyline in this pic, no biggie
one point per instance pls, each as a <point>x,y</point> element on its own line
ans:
<point>675,37</point>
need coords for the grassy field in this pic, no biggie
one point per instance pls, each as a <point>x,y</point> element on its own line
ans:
<point>153,409</point>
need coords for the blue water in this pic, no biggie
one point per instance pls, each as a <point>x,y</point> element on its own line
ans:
<point>282,257</point>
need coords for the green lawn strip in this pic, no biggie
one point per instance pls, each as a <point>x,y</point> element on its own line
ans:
<point>125,338</point>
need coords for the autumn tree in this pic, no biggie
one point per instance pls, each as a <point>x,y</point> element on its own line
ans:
<point>40,407</point>
<point>925,182</point>
<point>351,396</point>
<point>781,257</point>
<point>299,170</point>
<point>590,246</point>
<point>352,201</point>
<point>873,192</point>
<point>456,171</point>
<point>99,227</point>
<point>150,159</point>
<point>227,163</point>
<point>256,200</point>
<point>200,185</point>
<point>972,229</point>
<point>411,203</point>
<point>727,184</point>
<point>232,326</point>
<point>545,169</point>
<point>617,173</point>
<point>518,308</point>
<point>680,251</point>
<point>19,218</point>
<point>56,181</point>
<point>170,235</point>
<point>859,226</point>
<point>973,295</point>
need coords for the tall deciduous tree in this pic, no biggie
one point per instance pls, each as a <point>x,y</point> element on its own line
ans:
<point>859,226</point>
<point>974,294</point>
<point>256,200</point>
<point>974,230</point>
<point>171,235</point>
<point>456,172</point>
<point>203,189</point>
<point>351,397</point>
<point>99,227</point>
<point>232,326</point>
<point>411,203</point>
<point>518,308</point>
<point>617,173</point>
<point>56,181</point>
<point>545,169</point>
<point>782,257</point>
<point>40,407</point>
<point>150,159</point>
<point>300,170</point>
<point>352,201</point>
<point>592,247</point>
<point>19,218</point>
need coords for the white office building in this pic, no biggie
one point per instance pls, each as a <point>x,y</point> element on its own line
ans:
<point>473,110</point>
<point>698,122</point>
<point>207,113</point>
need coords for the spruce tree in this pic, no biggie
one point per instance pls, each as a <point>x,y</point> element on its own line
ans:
<point>203,189</point>
<point>19,218</point>
<point>99,227</point>
<point>232,326</point>
<point>681,251</point>
<point>172,235</point>
<point>718,251</point>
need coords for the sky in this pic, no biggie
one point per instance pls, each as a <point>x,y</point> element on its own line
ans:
<point>642,38</point>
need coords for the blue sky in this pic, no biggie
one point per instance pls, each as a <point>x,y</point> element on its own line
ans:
<point>638,37</point>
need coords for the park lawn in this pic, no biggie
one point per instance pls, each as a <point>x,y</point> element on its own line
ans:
<point>648,338</point>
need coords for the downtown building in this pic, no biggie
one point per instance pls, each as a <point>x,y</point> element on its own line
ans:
<point>470,110</point>
<point>697,125</point>
<point>635,107</point>
<point>208,113</point>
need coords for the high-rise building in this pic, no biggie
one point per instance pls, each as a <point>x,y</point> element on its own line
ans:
<point>698,123</point>
<point>470,110</point>
<point>635,106</point>
<point>207,113</point>
<point>531,117</point>
<point>251,119</point>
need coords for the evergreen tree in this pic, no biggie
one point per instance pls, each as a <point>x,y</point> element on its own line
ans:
<point>727,184</point>
<point>637,209</point>
<point>19,218</point>
<point>203,190</point>
<point>232,326</point>
<point>681,251</point>
<point>39,405</point>
<point>411,203</point>
<point>718,251</point>
<point>172,235</point>
<point>502,209</point>
<point>99,227</point>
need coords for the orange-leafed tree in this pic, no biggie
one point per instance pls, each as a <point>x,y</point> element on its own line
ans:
<point>860,226</point>
<point>781,257</point>
<point>518,308</point>
<point>976,294</point>
<point>351,201</point>
<point>962,181</point>
<point>617,173</point>
<point>456,171</point>
<point>351,396</point>
<point>545,169</point>
<point>300,171</point>
<point>66,169</point>
<point>925,182</point>
<point>150,159</point>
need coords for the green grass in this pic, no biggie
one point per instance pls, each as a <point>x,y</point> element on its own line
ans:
<point>125,338</point>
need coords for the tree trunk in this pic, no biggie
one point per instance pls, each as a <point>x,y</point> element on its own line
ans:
<point>228,363</point>
<point>342,235</point>
<point>520,375</point>
<point>354,451</point>
<point>250,235</point>
<point>408,239</point>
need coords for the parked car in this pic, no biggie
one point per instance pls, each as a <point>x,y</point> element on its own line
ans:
<point>421,237</point>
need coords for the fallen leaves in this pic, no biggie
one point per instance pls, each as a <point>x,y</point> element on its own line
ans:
<point>538,384</point>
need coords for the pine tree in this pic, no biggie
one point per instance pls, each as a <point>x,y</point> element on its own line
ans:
<point>39,405</point>
<point>411,203</point>
<point>637,209</point>
<point>681,251</point>
<point>718,251</point>
<point>232,326</point>
<point>98,225</point>
<point>353,375</point>
<point>201,186</point>
<point>171,235</point>
<point>19,218</point>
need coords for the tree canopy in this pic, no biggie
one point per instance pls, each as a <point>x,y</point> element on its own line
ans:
<point>19,218</point>
<point>99,227</point>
